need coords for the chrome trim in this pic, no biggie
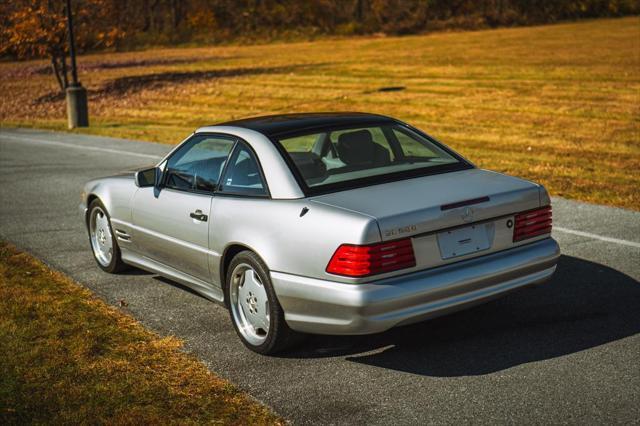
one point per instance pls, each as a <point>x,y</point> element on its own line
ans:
<point>122,236</point>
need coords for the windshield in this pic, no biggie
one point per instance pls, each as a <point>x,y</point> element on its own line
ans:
<point>336,158</point>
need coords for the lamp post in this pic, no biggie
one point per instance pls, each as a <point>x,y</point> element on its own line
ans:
<point>77,111</point>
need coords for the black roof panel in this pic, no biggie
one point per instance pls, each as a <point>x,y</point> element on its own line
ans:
<point>273,125</point>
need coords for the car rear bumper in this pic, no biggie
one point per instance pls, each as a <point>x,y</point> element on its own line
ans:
<point>327,307</point>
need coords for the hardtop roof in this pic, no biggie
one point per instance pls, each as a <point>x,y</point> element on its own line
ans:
<point>274,125</point>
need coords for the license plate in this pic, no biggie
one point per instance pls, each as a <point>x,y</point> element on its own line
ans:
<point>462,241</point>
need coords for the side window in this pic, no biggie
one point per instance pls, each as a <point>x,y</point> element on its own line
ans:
<point>197,165</point>
<point>242,175</point>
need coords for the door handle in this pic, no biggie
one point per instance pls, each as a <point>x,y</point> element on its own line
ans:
<point>198,215</point>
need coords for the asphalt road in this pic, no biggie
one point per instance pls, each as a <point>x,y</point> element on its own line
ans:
<point>566,352</point>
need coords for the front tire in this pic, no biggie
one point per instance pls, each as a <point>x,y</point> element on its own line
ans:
<point>255,312</point>
<point>103,242</point>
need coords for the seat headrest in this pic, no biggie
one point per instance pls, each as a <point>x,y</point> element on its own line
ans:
<point>309,164</point>
<point>358,147</point>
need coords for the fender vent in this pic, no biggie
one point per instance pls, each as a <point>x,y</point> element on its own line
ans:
<point>122,235</point>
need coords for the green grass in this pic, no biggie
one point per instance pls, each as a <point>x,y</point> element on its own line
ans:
<point>558,104</point>
<point>67,357</point>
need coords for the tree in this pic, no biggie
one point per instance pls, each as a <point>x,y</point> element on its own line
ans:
<point>37,28</point>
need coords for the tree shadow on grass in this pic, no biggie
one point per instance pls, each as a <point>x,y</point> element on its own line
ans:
<point>132,84</point>
<point>128,85</point>
<point>88,66</point>
<point>134,63</point>
<point>585,305</point>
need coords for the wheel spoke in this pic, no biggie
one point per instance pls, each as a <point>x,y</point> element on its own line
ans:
<point>239,280</point>
<point>257,288</point>
<point>100,218</point>
<point>250,280</point>
<point>108,242</point>
<point>262,321</point>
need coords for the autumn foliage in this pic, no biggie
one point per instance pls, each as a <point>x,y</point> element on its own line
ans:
<point>37,28</point>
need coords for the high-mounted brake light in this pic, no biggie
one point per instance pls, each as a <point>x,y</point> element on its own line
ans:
<point>532,223</point>
<point>363,260</point>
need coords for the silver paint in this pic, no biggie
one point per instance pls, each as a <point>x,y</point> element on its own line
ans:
<point>324,307</point>
<point>155,232</point>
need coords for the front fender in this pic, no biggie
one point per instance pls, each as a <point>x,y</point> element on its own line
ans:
<point>115,193</point>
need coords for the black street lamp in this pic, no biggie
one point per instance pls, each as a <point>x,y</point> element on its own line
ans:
<point>77,111</point>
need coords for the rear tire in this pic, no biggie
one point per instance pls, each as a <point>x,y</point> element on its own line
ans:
<point>255,311</point>
<point>102,239</point>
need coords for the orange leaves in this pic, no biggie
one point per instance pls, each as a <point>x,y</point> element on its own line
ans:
<point>37,28</point>
<point>34,28</point>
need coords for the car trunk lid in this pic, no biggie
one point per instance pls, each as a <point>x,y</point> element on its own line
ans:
<point>426,204</point>
<point>442,213</point>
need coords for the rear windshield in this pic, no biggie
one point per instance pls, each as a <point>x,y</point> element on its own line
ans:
<point>349,157</point>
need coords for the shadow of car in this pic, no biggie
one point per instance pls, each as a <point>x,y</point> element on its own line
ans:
<point>585,305</point>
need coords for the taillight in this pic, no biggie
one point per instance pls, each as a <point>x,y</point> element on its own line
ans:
<point>532,223</point>
<point>359,261</point>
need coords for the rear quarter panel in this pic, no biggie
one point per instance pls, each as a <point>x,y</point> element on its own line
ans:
<point>286,240</point>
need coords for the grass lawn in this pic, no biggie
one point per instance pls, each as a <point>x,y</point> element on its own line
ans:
<point>68,357</point>
<point>558,104</point>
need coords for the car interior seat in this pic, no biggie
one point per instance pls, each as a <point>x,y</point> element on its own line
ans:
<point>358,149</point>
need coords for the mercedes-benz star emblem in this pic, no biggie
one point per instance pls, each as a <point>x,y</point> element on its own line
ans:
<point>467,214</point>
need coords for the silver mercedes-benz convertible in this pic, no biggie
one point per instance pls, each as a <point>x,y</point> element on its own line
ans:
<point>328,223</point>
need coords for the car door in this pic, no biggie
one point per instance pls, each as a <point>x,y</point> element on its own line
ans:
<point>171,225</point>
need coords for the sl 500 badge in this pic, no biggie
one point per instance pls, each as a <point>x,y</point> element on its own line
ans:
<point>401,230</point>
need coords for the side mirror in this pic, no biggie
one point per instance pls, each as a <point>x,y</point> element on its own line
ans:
<point>147,177</point>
